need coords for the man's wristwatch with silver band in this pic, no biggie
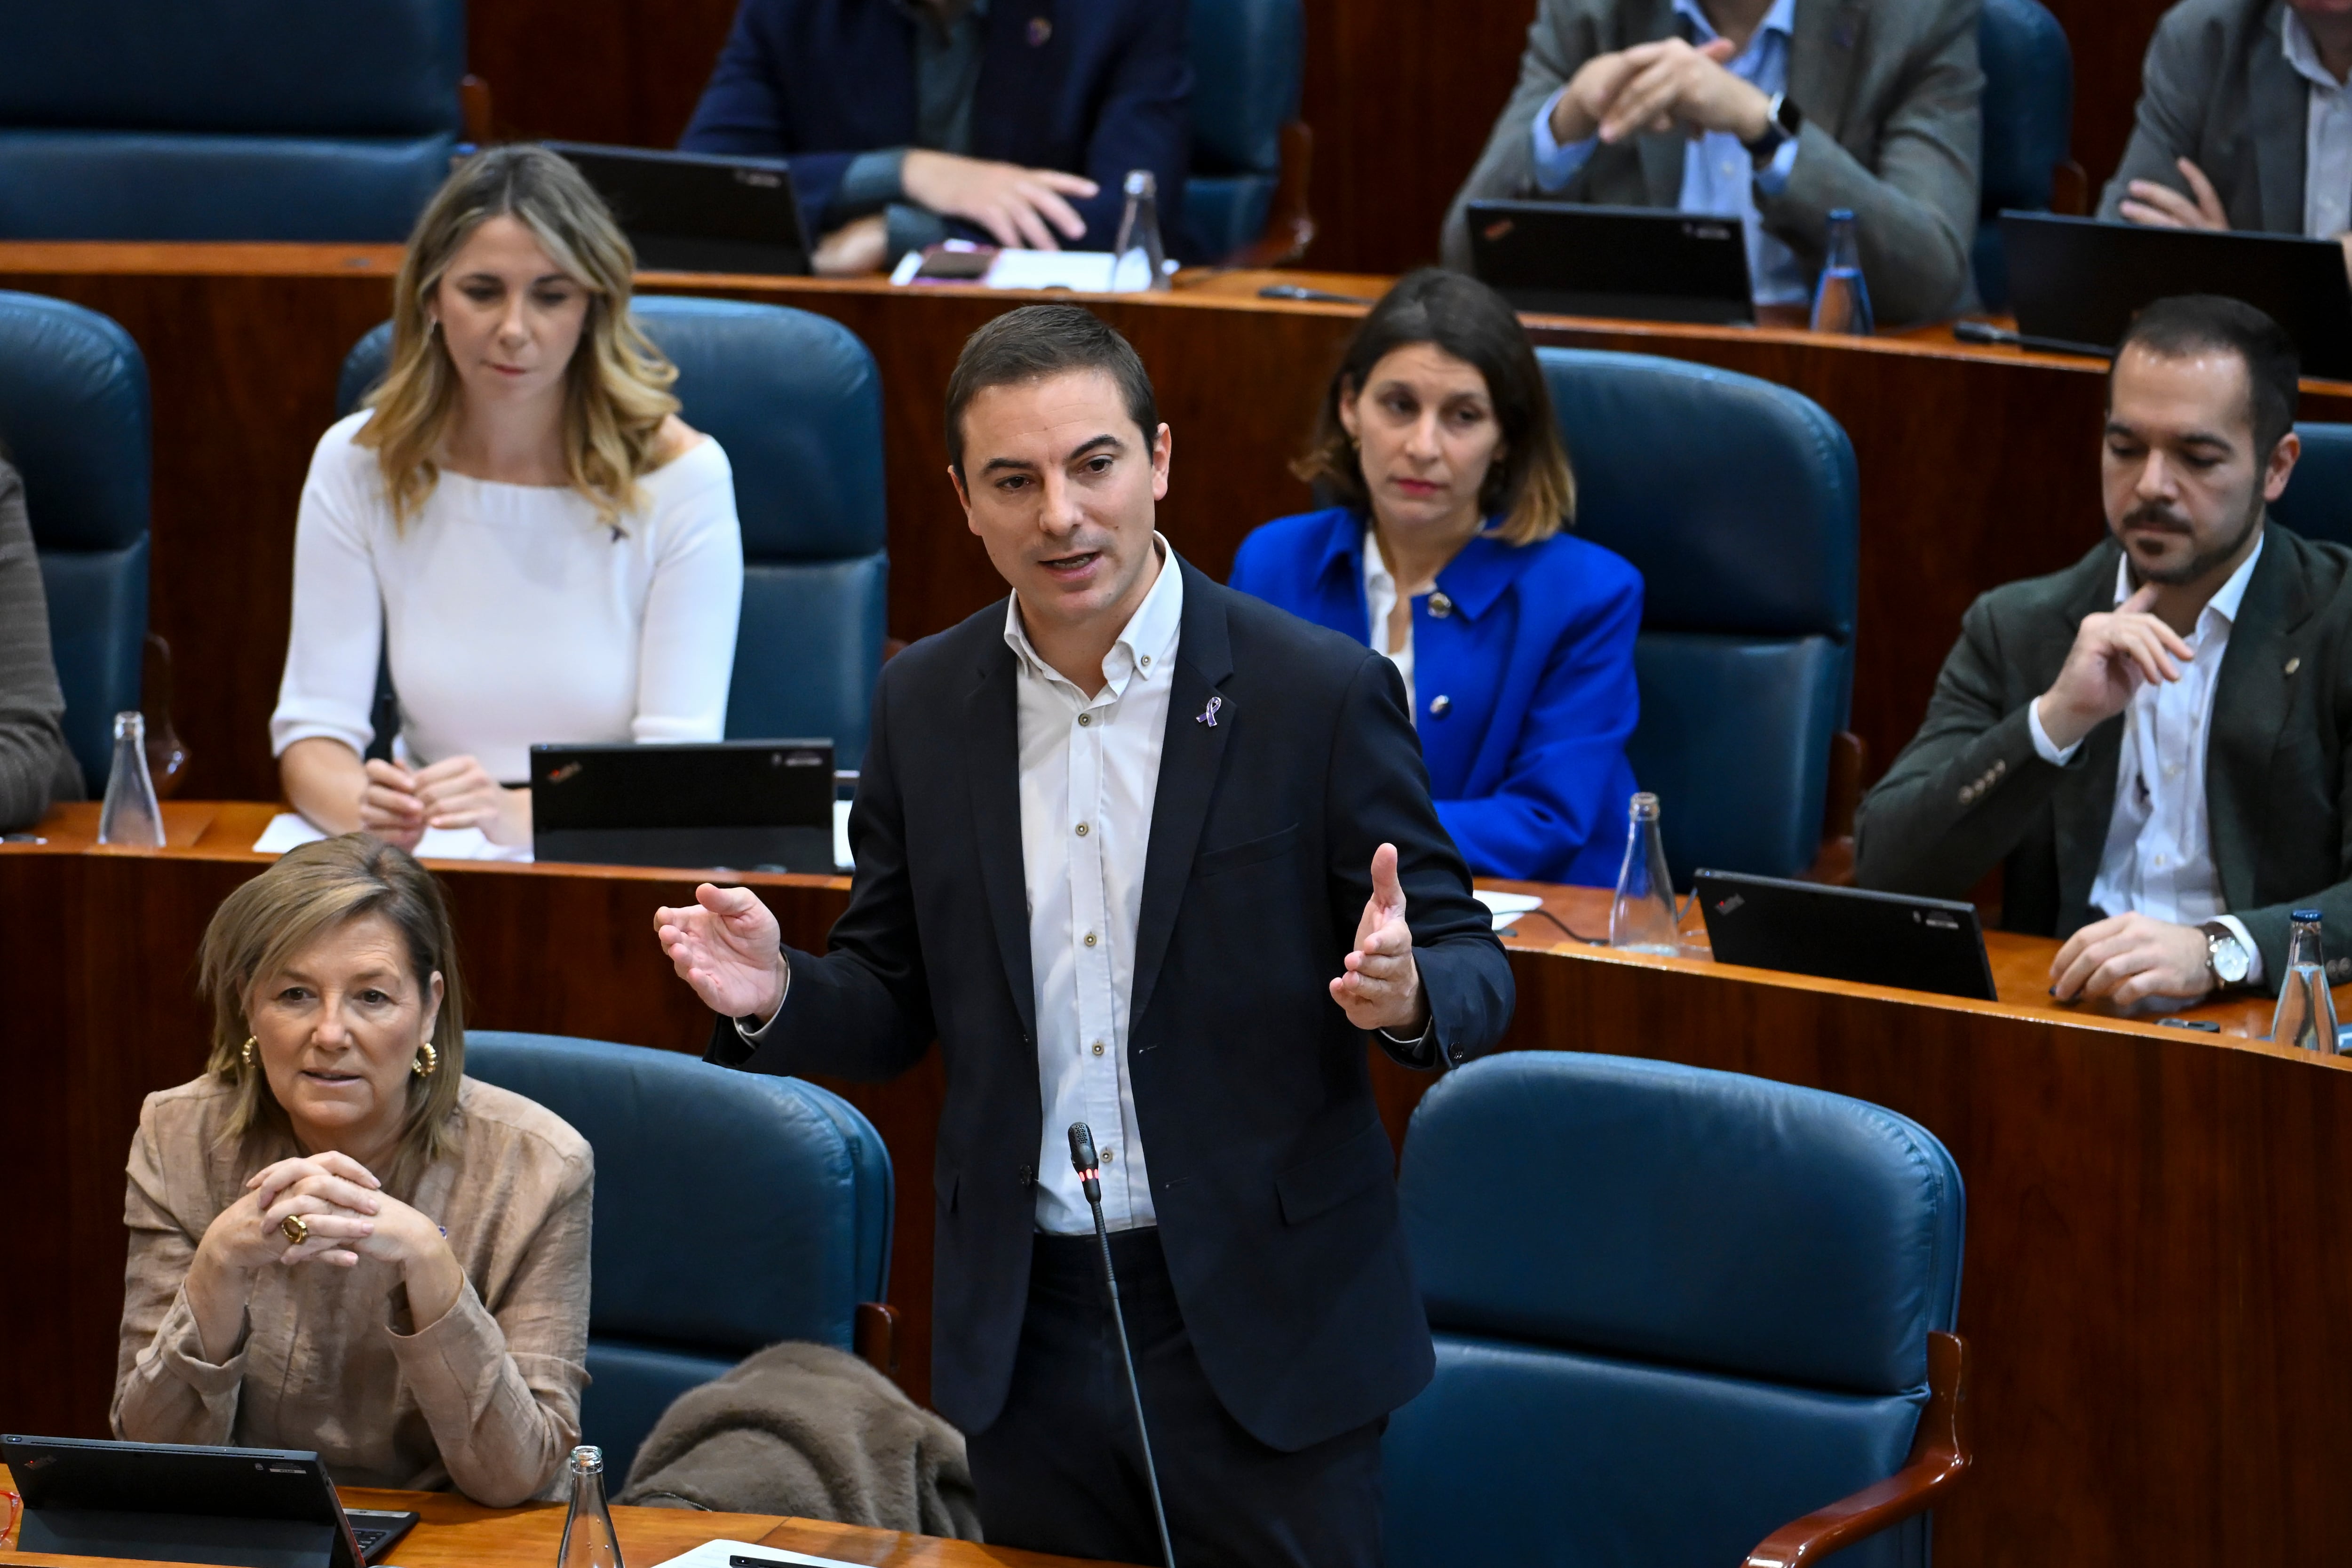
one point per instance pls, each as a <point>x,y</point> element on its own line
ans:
<point>1782,120</point>
<point>2225,955</point>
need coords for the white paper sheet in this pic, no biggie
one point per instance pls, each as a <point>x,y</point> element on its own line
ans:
<point>1507,908</point>
<point>716,1554</point>
<point>286,830</point>
<point>841,836</point>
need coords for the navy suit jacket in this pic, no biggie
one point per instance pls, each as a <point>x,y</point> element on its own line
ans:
<point>1524,685</point>
<point>1090,87</point>
<point>1272,1176</point>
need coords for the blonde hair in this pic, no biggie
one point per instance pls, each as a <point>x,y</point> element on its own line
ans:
<point>615,388</point>
<point>1529,485</point>
<point>261,926</point>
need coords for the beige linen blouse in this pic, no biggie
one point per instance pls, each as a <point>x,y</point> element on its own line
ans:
<point>487,1399</point>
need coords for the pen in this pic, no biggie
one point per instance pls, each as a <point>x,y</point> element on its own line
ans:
<point>1318,296</point>
<point>1985,333</point>
<point>737,1560</point>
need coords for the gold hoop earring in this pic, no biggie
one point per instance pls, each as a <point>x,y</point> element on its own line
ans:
<point>244,1052</point>
<point>428,1062</point>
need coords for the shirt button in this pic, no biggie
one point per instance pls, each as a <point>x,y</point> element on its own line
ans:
<point>1440,606</point>
<point>1147,661</point>
<point>1440,706</point>
<point>1085,720</point>
<point>1108,1155</point>
<point>1090,939</point>
<point>1082,830</point>
<point>1097,1048</point>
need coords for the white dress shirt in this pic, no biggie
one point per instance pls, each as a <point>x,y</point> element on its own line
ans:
<point>2158,857</point>
<point>2326,137</point>
<point>1089,774</point>
<point>1719,177</point>
<point>1379,598</point>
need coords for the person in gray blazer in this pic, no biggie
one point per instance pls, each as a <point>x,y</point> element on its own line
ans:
<point>1776,111</point>
<point>2245,122</point>
<point>36,769</point>
<point>2152,743</point>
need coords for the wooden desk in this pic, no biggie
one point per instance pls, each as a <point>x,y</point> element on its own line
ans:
<point>2156,1217</point>
<point>455,1533</point>
<point>1977,465</point>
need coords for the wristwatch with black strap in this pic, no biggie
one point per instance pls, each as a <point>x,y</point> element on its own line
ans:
<point>1782,120</point>
<point>2225,955</point>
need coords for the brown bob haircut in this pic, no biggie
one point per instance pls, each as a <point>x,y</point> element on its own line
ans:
<point>1529,487</point>
<point>266,923</point>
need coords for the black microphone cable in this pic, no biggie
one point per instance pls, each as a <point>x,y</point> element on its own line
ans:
<point>1082,1158</point>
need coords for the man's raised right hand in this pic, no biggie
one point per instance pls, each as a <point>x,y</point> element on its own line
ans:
<point>728,948</point>
<point>2114,655</point>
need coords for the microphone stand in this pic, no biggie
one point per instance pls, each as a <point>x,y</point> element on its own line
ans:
<point>1082,1158</point>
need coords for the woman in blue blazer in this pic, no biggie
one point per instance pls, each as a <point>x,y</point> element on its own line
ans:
<point>1514,638</point>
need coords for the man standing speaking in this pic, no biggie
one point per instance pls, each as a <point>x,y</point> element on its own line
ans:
<point>1149,854</point>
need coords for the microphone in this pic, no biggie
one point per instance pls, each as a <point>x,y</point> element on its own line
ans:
<point>1082,1160</point>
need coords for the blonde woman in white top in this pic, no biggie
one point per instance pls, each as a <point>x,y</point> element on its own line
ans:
<point>546,551</point>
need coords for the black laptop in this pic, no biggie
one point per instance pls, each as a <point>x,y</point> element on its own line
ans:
<point>1845,933</point>
<point>740,805</point>
<point>2074,282</point>
<point>691,212</point>
<point>165,1502</point>
<point>1644,264</point>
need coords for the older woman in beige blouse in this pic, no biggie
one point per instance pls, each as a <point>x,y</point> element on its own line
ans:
<point>338,1241</point>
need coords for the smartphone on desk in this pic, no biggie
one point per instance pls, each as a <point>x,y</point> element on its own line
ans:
<point>955,264</point>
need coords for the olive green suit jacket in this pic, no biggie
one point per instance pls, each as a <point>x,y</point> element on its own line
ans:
<point>1969,791</point>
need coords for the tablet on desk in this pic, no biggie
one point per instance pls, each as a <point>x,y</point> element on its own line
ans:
<point>1647,264</point>
<point>741,805</point>
<point>1845,933</point>
<point>2076,282</point>
<point>168,1502</point>
<point>692,211</point>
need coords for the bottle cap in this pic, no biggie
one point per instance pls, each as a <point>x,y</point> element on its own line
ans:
<point>1142,183</point>
<point>1841,215</point>
<point>2311,916</point>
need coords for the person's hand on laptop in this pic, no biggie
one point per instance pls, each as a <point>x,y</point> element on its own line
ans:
<point>2161,206</point>
<point>728,947</point>
<point>2129,958</point>
<point>1021,207</point>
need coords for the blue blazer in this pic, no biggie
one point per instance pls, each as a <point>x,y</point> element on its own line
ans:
<point>1535,662</point>
<point>1091,86</point>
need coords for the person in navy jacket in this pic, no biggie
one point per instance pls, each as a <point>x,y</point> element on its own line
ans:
<point>1514,638</point>
<point>909,121</point>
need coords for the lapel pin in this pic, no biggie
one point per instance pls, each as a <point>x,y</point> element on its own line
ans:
<point>1209,715</point>
<point>1040,29</point>
<point>2293,664</point>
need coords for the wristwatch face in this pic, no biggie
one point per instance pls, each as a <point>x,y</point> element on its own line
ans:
<point>2228,956</point>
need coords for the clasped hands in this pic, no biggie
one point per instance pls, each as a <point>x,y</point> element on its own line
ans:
<point>2124,958</point>
<point>398,804</point>
<point>727,946</point>
<point>1657,87</point>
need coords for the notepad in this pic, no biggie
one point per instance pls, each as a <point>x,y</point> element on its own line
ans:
<point>286,830</point>
<point>718,1553</point>
<point>1507,908</point>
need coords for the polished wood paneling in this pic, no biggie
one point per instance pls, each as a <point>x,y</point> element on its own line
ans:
<point>2153,1237</point>
<point>452,1532</point>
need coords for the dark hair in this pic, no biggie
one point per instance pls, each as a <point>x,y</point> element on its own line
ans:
<point>2186,323</point>
<point>1038,341</point>
<point>1530,485</point>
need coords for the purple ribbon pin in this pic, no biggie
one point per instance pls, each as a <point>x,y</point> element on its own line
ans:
<point>1209,715</point>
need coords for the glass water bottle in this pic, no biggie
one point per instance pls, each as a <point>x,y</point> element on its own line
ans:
<point>2306,1018</point>
<point>1642,916</point>
<point>1142,258</point>
<point>588,1537</point>
<point>1841,299</point>
<point>131,816</point>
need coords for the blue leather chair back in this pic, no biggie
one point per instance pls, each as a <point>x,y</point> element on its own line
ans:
<point>2029,114</point>
<point>73,420</point>
<point>1674,1309</point>
<point>1249,61</point>
<point>796,401</point>
<point>226,120</point>
<point>1736,499</point>
<point>2318,499</point>
<point>797,1179</point>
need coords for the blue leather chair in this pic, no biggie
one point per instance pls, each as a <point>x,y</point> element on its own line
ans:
<point>2029,114</point>
<point>1736,499</point>
<point>1248,144</point>
<point>1675,1310</point>
<point>73,420</point>
<point>797,402</point>
<point>797,1178</point>
<point>228,119</point>
<point>2318,499</point>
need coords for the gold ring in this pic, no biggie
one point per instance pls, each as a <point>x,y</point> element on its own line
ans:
<point>296,1227</point>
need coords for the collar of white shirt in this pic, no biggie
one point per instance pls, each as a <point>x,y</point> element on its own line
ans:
<point>2295,39</point>
<point>1148,641</point>
<point>1781,19</point>
<point>2225,600</point>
